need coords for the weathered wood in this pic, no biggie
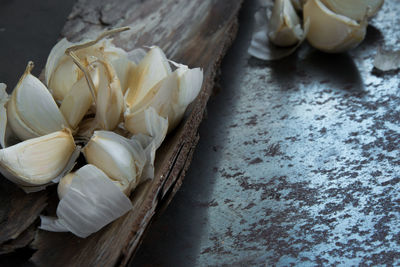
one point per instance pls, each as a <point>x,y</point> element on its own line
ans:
<point>196,33</point>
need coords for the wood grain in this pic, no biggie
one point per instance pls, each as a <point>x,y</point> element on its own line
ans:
<point>196,33</point>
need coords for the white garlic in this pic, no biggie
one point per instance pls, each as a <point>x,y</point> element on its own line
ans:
<point>120,158</point>
<point>61,73</point>
<point>32,111</point>
<point>78,100</point>
<point>40,160</point>
<point>88,203</point>
<point>331,32</point>
<point>169,98</point>
<point>284,27</point>
<point>152,69</point>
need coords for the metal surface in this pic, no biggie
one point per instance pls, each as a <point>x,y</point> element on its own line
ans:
<point>297,164</point>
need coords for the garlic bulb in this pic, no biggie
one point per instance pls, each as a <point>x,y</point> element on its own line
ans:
<point>354,9</point>
<point>284,25</point>
<point>120,158</point>
<point>40,160</point>
<point>331,32</point>
<point>152,69</point>
<point>373,6</point>
<point>32,111</point>
<point>61,73</point>
<point>88,203</point>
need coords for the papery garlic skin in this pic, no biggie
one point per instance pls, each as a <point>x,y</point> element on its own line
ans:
<point>152,69</point>
<point>90,202</point>
<point>284,25</point>
<point>40,160</point>
<point>120,158</point>
<point>331,32</point>
<point>61,72</point>
<point>32,111</point>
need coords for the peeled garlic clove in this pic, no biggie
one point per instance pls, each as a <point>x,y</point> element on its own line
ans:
<point>39,160</point>
<point>153,68</point>
<point>354,9</point>
<point>109,101</point>
<point>161,97</point>
<point>61,72</point>
<point>78,100</point>
<point>331,32</point>
<point>32,111</point>
<point>91,202</point>
<point>284,25</point>
<point>120,158</point>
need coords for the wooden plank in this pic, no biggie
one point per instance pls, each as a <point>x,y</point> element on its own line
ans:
<point>196,33</point>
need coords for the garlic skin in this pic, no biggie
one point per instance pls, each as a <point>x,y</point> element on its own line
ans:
<point>284,27</point>
<point>61,73</point>
<point>40,160</point>
<point>120,158</point>
<point>3,114</point>
<point>331,32</point>
<point>32,111</point>
<point>152,69</point>
<point>90,202</point>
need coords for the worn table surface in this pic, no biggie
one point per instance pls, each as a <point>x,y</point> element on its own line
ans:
<point>297,163</point>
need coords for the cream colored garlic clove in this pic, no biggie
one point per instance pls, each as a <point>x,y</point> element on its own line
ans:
<point>152,69</point>
<point>61,73</point>
<point>120,158</point>
<point>65,184</point>
<point>331,32</point>
<point>32,111</point>
<point>353,9</point>
<point>109,100</point>
<point>161,97</point>
<point>284,25</point>
<point>78,100</point>
<point>40,160</point>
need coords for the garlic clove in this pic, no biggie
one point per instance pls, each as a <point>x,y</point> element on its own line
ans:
<point>331,32</point>
<point>354,9</point>
<point>161,97</point>
<point>190,82</point>
<point>78,100</point>
<point>153,68</point>
<point>40,160</point>
<point>32,111</point>
<point>120,158</point>
<point>109,100</point>
<point>61,73</point>
<point>284,25</point>
<point>123,68</point>
<point>374,6</point>
<point>65,184</point>
<point>91,202</point>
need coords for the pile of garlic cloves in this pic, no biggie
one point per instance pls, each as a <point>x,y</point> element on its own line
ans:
<point>118,105</point>
<point>331,26</point>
